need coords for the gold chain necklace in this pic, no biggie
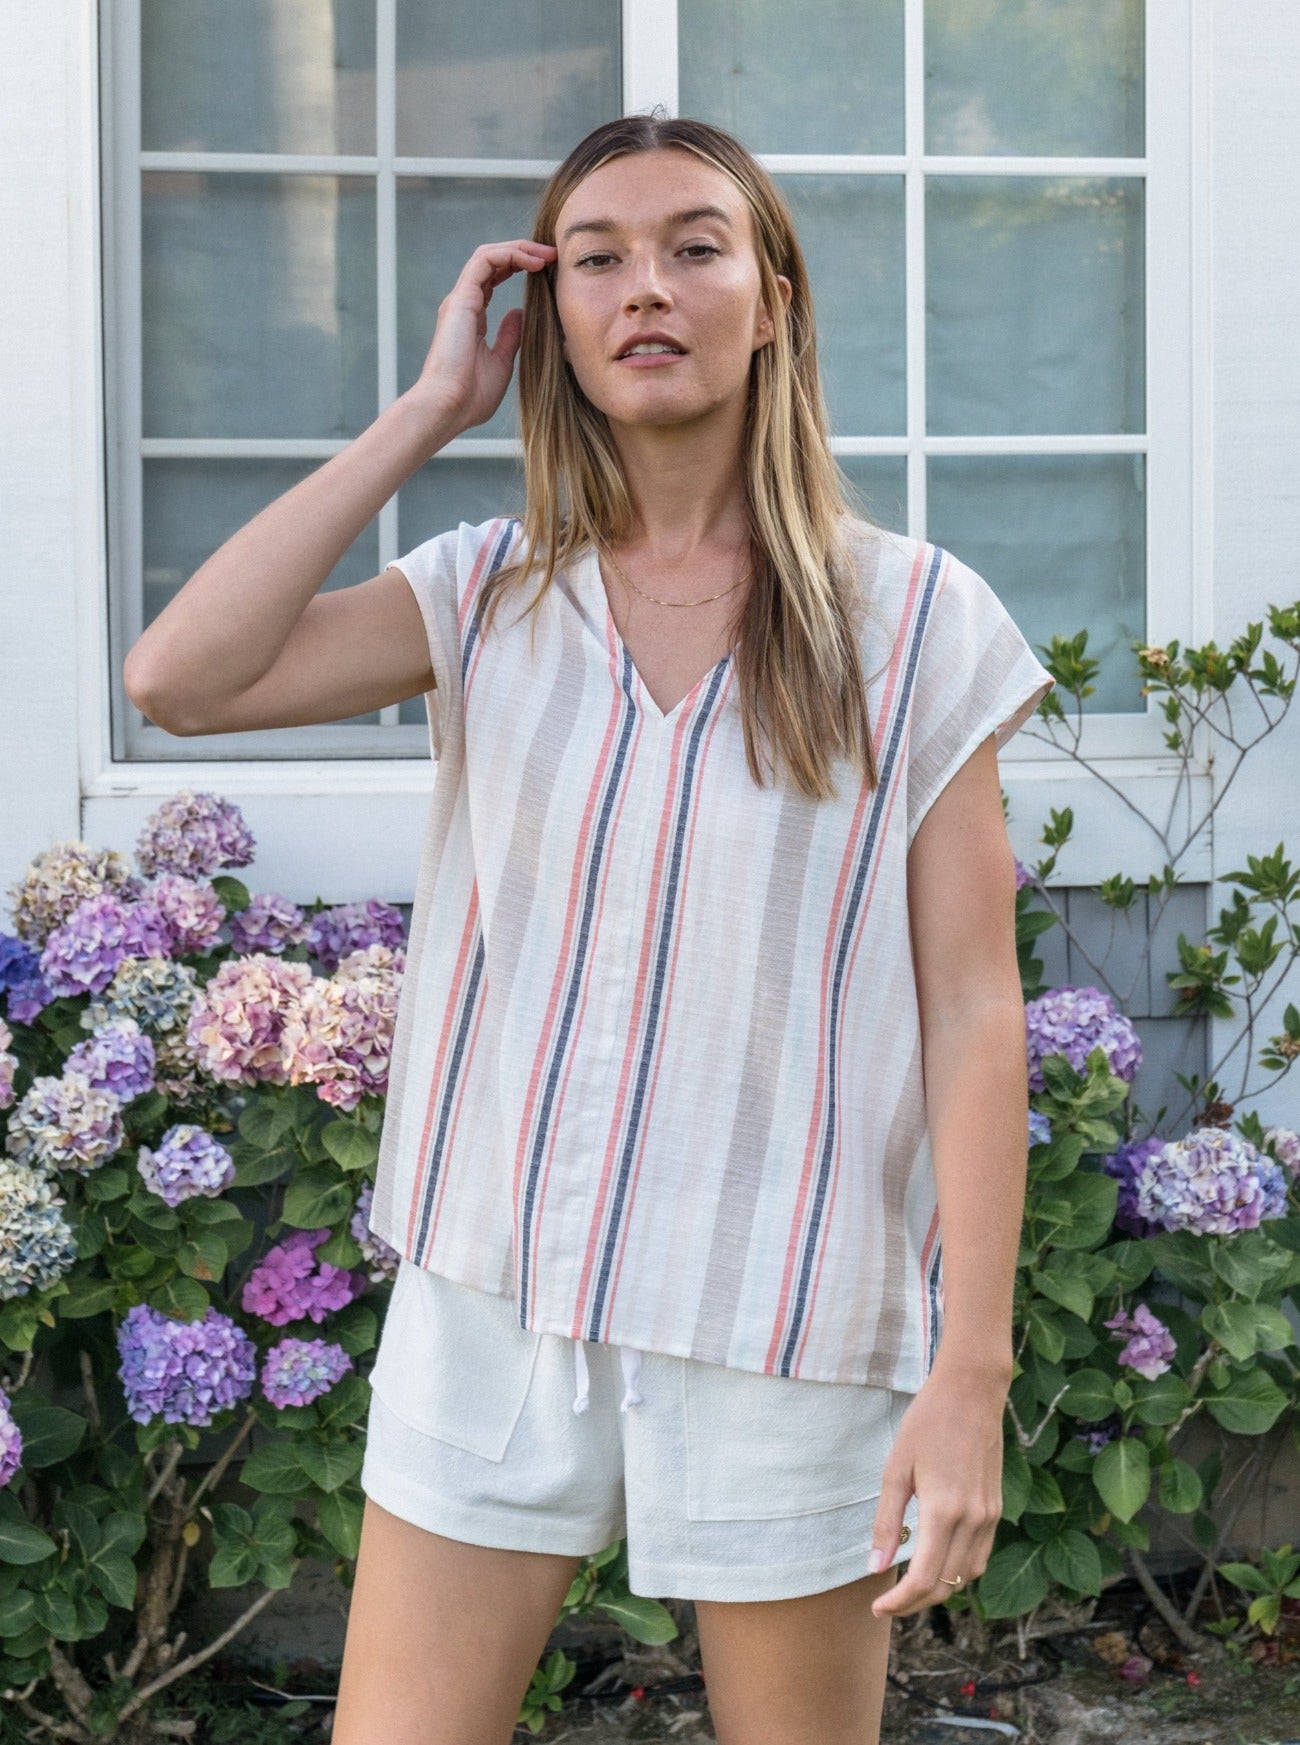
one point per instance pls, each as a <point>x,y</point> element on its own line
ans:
<point>704,602</point>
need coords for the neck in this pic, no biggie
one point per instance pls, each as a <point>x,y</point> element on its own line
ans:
<point>686,484</point>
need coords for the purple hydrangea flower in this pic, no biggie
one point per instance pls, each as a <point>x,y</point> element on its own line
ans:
<point>11,1442</point>
<point>1150,1348</point>
<point>188,1162</point>
<point>8,1066</point>
<point>66,1123</point>
<point>1040,1128</point>
<point>349,927</point>
<point>191,912</point>
<point>382,1260</point>
<point>1125,1164</point>
<point>297,1371</point>
<point>289,1283</point>
<point>1212,1183</point>
<point>194,834</point>
<point>1073,1021</point>
<point>80,956</point>
<point>1098,1438</point>
<point>269,923</point>
<point>183,1371</point>
<point>1024,875</point>
<point>119,1058</point>
<point>1286,1146</point>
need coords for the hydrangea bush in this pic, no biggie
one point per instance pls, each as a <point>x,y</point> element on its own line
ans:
<point>191,1092</point>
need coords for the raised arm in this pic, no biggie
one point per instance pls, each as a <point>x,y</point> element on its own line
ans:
<point>249,641</point>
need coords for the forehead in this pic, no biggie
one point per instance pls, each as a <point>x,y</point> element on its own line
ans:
<point>646,188</point>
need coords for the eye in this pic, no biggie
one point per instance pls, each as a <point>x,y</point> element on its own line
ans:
<point>600,255</point>
<point>707,246</point>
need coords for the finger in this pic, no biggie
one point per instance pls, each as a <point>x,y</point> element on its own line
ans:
<point>932,1558</point>
<point>491,264</point>
<point>887,1528</point>
<point>509,334</point>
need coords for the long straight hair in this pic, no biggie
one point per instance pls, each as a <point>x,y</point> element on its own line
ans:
<point>798,660</point>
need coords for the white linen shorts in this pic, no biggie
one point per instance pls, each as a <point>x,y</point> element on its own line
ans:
<point>726,1483</point>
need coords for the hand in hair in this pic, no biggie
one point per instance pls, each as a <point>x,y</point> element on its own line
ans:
<point>463,376</point>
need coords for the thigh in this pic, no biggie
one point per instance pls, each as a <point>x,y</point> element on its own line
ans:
<point>443,1636</point>
<point>806,1671</point>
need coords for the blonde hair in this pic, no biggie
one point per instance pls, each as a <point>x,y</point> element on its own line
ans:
<point>798,661</point>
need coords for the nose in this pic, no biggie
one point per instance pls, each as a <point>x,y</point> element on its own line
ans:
<point>647,285</point>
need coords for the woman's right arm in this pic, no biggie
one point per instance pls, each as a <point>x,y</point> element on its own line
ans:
<point>249,641</point>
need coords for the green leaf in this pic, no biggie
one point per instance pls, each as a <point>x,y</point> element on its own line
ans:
<point>1122,1475</point>
<point>182,1298</point>
<point>1071,1558</point>
<point>1017,1482</point>
<point>114,1574</point>
<point>346,1402</point>
<point>1243,1575</point>
<point>1045,1332</point>
<point>1248,1402</point>
<point>204,1257</point>
<point>355,1328</point>
<point>50,1433</point>
<point>20,1542</point>
<point>645,1620</point>
<point>1090,1396</point>
<point>1082,1208</point>
<point>340,1250</point>
<point>1014,1581</point>
<point>349,1144</point>
<point>232,1566</point>
<point>16,1611</point>
<point>275,1467</point>
<point>86,1296</point>
<point>1160,1401</point>
<point>55,1610</point>
<point>317,1198</point>
<point>266,1121</point>
<point>330,1463</point>
<point>108,1183</point>
<point>256,1165</point>
<point>1233,1325</point>
<point>1180,1487</point>
<point>1044,1494</point>
<point>338,1514</point>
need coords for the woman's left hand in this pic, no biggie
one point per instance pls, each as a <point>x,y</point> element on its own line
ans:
<point>948,1452</point>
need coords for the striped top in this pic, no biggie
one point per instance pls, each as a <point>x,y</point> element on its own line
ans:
<point>656,1072</point>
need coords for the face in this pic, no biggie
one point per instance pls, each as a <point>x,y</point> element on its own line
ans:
<point>660,243</point>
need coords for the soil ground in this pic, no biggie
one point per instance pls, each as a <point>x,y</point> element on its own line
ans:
<point>1063,1687</point>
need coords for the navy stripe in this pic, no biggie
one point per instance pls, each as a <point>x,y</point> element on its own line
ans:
<point>447,1100</point>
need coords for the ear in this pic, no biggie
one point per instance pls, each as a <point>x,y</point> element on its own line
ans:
<point>766,329</point>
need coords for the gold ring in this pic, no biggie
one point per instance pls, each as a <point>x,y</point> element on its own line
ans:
<point>950,1583</point>
<point>905,1533</point>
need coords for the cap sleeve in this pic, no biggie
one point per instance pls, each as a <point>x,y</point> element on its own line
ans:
<point>431,570</point>
<point>976,674</point>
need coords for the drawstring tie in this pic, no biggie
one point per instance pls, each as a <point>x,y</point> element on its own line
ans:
<point>630,1359</point>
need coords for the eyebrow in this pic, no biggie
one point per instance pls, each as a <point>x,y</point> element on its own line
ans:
<point>604,225</point>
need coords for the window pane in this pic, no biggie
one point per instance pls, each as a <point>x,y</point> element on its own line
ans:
<point>1035,293</point>
<point>257,75</point>
<point>827,78</point>
<point>444,492</point>
<point>881,481</point>
<point>851,232</point>
<point>1035,77</point>
<point>440,222</point>
<point>191,507</point>
<point>258,305</point>
<point>505,78</point>
<point>1062,538</point>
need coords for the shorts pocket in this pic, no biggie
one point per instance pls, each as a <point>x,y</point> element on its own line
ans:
<point>761,1446</point>
<point>453,1361</point>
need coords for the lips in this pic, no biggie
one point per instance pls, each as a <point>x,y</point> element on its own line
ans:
<point>650,339</point>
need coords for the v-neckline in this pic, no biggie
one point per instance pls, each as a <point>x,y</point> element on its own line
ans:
<point>588,568</point>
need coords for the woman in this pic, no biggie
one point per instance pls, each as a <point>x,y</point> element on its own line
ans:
<point>716,845</point>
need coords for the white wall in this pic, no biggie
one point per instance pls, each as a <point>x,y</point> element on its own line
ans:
<point>54,783</point>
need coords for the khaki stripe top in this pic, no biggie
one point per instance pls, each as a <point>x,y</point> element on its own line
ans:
<point>656,1073</point>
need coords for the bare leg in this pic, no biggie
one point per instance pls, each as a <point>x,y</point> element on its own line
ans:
<point>443,1637</point>
<point>808,1671</point>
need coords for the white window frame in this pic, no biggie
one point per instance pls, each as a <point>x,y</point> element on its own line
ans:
<point>356,824</point>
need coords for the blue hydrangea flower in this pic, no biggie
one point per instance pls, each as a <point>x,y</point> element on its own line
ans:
<point>11,1442</point>
<point>36,1243</point>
